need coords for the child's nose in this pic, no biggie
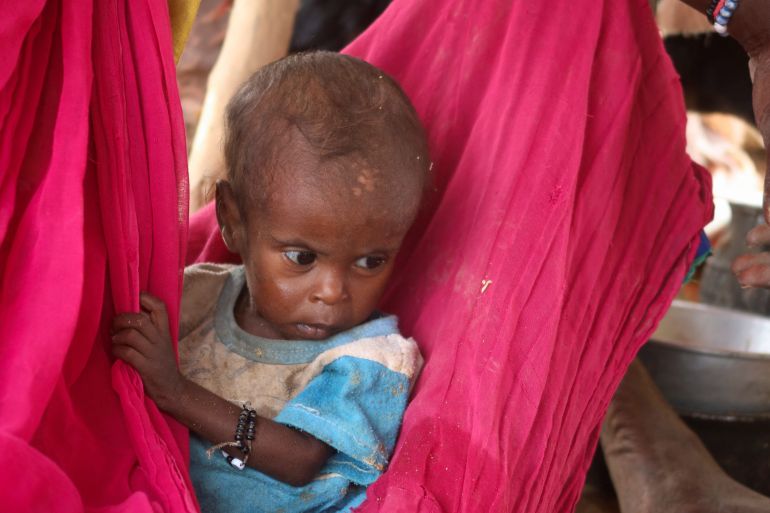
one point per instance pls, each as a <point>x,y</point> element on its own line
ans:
<point>331,287</point>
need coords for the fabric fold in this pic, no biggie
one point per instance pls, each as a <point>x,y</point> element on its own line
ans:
<point>94,210</point>
<point>565,216</point>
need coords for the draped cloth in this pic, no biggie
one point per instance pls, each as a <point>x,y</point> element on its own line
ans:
<point>565,216</point>
<point>93,209</point>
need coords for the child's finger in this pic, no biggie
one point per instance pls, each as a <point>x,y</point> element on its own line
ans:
<point>140,322</point>
<point>129,355</point>
<point>156,308</point>
<point>133,339</point>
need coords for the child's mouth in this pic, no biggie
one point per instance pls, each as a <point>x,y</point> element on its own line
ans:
<point>314,331</point>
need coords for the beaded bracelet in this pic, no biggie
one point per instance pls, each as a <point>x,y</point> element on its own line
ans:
<point>720,12</point>
<point>710,10</point>
<point>235,462</point>
<point>247,420</point>
<point>245,433</point>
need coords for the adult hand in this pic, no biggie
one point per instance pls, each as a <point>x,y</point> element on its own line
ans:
<point>751,28</point>
<point>143,341</point>
<point>753,269</point>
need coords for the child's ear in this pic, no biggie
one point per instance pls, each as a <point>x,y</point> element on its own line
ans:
<point>229,217</point>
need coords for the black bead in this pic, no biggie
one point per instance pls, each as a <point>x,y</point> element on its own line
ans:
<point>710,10</point>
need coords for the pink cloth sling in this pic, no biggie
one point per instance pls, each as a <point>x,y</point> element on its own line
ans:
<point>565,217</point>
<point>93,209</point>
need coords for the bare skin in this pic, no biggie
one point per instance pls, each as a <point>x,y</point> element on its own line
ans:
<point>753,269</point>
<point>658,464</point>
<point>317,258</point>
<point>143,341</point>
<point>750,26</point>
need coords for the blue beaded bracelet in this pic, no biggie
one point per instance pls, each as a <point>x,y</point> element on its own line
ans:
<point>724,15</point>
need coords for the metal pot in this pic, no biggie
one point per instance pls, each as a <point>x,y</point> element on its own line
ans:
<point>718,285</point>
<point>713,365</point>
<point>712,361</point>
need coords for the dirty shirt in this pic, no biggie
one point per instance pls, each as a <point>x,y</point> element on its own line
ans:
<point>349,391</point>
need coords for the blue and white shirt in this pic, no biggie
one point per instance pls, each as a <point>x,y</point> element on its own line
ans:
<point>349,391</point>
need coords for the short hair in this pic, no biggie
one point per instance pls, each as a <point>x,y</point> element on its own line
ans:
<point>342,106</point>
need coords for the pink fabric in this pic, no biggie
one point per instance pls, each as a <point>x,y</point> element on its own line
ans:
<point>558,135</point>
<point>93,209</point>
<point>557,131</point>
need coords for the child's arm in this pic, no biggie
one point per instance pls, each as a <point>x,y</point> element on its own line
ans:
<point>143,341</point>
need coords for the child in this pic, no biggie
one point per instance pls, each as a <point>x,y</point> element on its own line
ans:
<point>327,163</point>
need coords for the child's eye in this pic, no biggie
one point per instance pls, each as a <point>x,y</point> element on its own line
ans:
<point>301,257</point>
<point>370,262</point>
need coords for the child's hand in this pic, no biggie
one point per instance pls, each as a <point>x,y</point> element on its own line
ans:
<point>143,341</point>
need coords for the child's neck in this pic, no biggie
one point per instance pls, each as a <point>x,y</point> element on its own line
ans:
<point>249,320</point>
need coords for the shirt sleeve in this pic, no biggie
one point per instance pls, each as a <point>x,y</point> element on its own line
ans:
<point>702,253</point>
<point>356,406</point>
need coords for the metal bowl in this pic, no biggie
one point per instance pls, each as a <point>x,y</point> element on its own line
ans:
<point>712,362</point>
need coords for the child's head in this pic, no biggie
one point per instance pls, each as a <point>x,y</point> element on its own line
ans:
<point>327,162</point>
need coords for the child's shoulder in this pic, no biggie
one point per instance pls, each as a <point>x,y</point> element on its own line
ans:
<point>200,293</point>
<point>204,279</point>
<point>206,272</point>
<point>391,351</point>
<point>395,352</point>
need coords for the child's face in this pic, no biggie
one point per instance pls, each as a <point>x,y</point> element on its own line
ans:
<point>317,259</point>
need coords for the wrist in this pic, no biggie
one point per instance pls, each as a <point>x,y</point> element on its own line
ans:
<point>750,26</point>
<point>172,395</point>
